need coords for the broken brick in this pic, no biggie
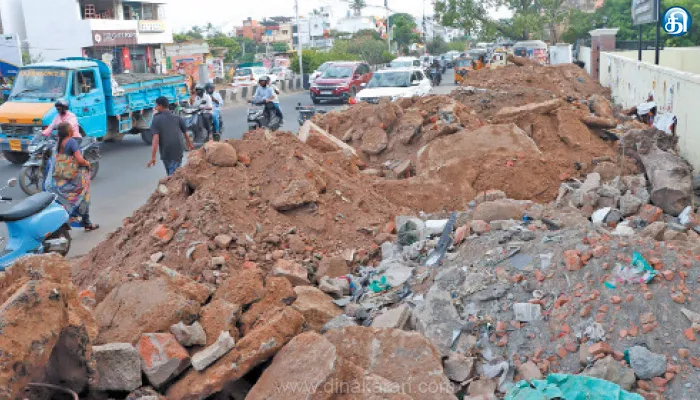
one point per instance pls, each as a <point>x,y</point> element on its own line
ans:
<point>572,260</point>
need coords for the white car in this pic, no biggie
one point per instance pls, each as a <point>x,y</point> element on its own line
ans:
<point>321,69</point>
<point>405,62</point>
<point>249,76</point>
<point>395,84</point>
<point>282,73</point>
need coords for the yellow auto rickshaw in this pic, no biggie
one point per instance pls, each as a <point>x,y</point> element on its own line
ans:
<point>462,65</point>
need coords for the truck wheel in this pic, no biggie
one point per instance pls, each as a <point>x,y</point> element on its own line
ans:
<point>147,136</point>
<point>16,158</point>
<point>31,179</point>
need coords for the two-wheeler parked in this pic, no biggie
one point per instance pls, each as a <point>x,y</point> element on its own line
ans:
<point>38,224</point>
<point>263,115</point>
<point>33,173</point>
<point>307,112</point>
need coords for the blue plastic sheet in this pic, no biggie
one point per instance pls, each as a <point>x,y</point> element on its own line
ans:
<point>569,387</point>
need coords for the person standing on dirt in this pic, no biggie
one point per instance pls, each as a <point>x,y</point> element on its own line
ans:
<point>168,130</point>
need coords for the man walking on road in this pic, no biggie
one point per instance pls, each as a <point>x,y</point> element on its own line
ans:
<point>167,130</point>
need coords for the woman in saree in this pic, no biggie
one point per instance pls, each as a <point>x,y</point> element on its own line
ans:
<point>68,177</point>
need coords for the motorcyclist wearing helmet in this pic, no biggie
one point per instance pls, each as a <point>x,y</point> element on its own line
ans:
<point>218,102</point>
<point>203,101</point>
<point>64,115</point>
<point>265,94</point>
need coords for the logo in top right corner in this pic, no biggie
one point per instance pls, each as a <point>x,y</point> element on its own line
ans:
<point>677,21</point>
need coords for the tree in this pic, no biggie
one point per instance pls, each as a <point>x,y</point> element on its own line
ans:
<point>367,33</point>
<point>364,48</point>
<point>436,46</point>
<point>221,40</point>
<point>403,27</point>
<point>553,14</point>
<point>280,47</point>
<point>357,6</point>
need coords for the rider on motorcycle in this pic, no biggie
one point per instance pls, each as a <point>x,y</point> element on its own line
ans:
<point>204,102</point>
<point>265,94</point>
<point>218,103</point>
<point>435,71</point>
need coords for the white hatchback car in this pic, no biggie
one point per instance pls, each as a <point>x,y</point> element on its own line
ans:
<point>249,76</point>
<point>395,84</point>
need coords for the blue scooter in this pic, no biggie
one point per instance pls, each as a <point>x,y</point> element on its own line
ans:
<point>36,225</point>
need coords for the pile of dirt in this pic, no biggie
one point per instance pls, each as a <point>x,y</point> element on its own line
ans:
<point>564,80</point>
<point>277,199</point>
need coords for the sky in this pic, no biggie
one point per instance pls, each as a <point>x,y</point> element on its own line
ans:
<point>183,14</point>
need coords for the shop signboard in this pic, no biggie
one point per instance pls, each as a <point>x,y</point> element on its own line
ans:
<point>644,11</point>
<point>151,26</point>
<point>113,38</point>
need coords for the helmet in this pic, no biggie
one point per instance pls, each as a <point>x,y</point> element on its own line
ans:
<point>264,78</point>
<point>62,103</point>
<point>209,85</point>
<point>198,88</point>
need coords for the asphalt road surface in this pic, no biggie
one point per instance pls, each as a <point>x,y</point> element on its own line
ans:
<point>124,183</point>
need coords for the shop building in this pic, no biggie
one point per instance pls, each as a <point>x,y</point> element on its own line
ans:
<point>128,34</point>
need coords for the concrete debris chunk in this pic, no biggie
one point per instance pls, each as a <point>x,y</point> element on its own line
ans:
<point>526,312</point>
<point>646,364</point>
<point>118,367</point>
<point>611,370</point>
<point>206,357</point>
<point>189,335</point>
<point>339,322</point>
<point>459,368</point>
<point>396,318</point>
<point>163,358</point>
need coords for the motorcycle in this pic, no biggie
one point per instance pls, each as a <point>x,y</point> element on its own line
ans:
<point>435,77</point>
<point>263,115</point>
<point>33,172</point>
<point>194,121</point>
<point>307,112</point>
<point>37,225</point>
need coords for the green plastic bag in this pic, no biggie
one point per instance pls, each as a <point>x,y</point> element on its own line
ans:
<point>569,387</point>
<point>379,285</point>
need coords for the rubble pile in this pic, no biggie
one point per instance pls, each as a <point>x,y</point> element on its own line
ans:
<point>281,206</point>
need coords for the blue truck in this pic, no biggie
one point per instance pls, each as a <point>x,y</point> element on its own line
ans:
<point>107,105</point>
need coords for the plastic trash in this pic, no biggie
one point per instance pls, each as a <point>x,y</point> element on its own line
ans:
<point>599,215</point>
<point>379,285</point>
<point>639,272</point>
<point>569,387</point>
<point>684,217</point>
<point>546,260</point>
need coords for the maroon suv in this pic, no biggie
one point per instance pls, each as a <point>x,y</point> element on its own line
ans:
<point>340,81</point>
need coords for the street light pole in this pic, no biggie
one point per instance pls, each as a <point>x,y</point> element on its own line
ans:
<point>301,64</point>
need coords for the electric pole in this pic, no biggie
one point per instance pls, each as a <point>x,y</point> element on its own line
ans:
<point>388,38</point>
<point>301,64</point>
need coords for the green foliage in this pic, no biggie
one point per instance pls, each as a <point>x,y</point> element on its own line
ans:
<point>357,5</point>
<point>402,27</point>
<point>312,59</point>
<point>363,48</point>
<point>367,33</point>
<point>437,46</point>
<point>457,45</point>
<point>221,40</point>
<point>280,47</point>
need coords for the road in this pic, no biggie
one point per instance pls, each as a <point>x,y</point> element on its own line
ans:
<point>124,183</point>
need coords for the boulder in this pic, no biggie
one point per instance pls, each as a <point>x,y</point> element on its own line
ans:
<point>336,287</point>
<point>607,170</point>
<point>298,193</point>
<point>278,293</point>
<point>602,107</point>
<point>374,141</point>
<point>437,319</point>
<point>332,267</point>
<point>220,154</point>
<point>46,332</point>
<point>671,179</point>
<point>387,364</point>
<point>118,367</point>
<point>339,322</point>
<point>138,307</point>
<point>396,318</point>
<point>459,367</point>
<point>163,357</point>
<point>259,345</point>
<point>243,287</point>
<point>592,183</point>
<point>316,307</point>
<point>530,108</point>
<point>219,316</point>
<point>646,364</point>
<point>408,127</point>
<point>629,204</point>
<point>295,273</point>
<point>498,210</point>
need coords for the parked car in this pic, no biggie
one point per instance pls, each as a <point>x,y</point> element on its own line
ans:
<point>249,76</point>
<point>281,73</point>
<point>395,84</point>
<point>340,82</point>
<point>405,62</point>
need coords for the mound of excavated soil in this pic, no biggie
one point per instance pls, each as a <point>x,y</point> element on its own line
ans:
<point>281,199</point>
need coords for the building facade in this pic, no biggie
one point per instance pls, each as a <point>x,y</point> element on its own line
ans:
<point>282,33</point>
<point>252,30</point>
<point>129,35</point>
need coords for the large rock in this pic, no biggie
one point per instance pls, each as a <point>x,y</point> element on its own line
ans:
<point>645,363</point>
<point>219,316</point>
<point>292,271</point>
<point>332,267</point>
<point>381,364</point>
<point>629,204</point>
<point>316,307</point>
<point>242,288</point>
<point>611,370</point>
<point>319,139</point>
<point>530,108</point>
<point>118,367</point>
<point>298,193</point>
<point>138,307</point>
<point>374,141</point>
<point>454,149</point>
<point>602,107</point>
<point>593,121</point>
<point>163,357</point>
<point>396,318</point>
<point>260,344</point>
<point>278,294</point>
<point>224,343</point>
<point>437,319</point>
<point>408,127</point>
<point>459,368</point>
<point>220,154</point>
<point>671,179</point>
<point>498,210</point>
<point>46,332</point>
